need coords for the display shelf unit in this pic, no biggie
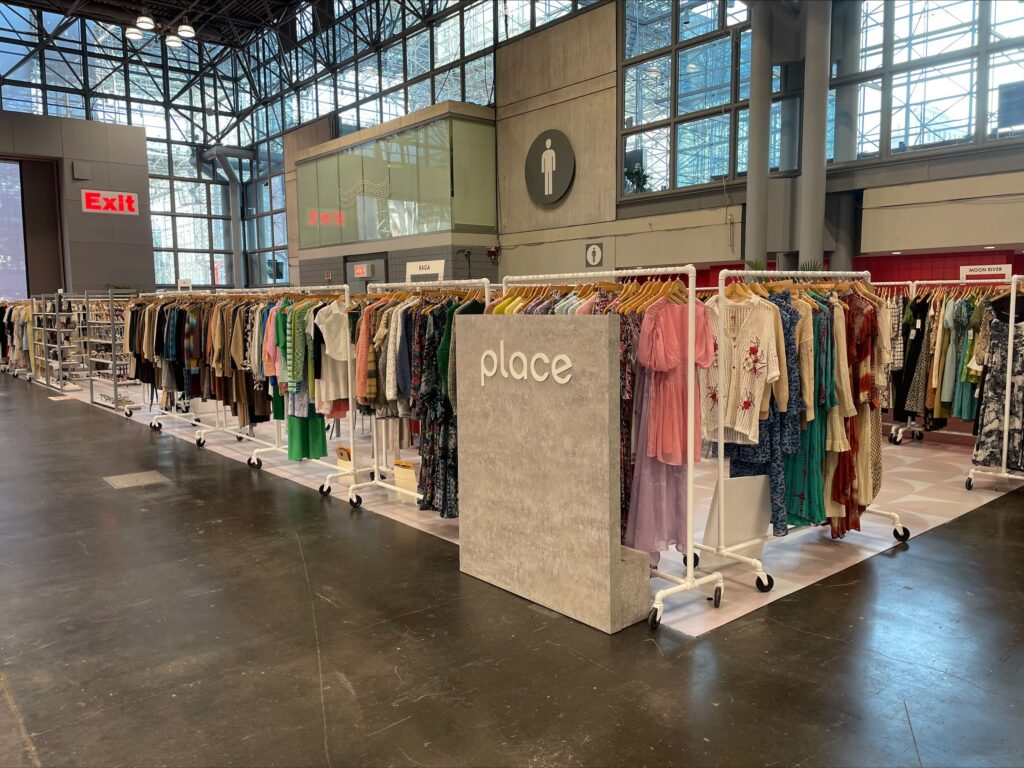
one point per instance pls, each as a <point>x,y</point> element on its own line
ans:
<point>59,320</point>
<point>105,328</point>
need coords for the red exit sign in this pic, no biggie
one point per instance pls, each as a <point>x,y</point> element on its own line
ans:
<point>314,217</point>
<point>101,201</point>
<point>361,270</point>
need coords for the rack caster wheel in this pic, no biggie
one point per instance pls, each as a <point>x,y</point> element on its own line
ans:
<point>901,534</point>
<point>718,596</point>
<point>128,413</point>
<point>239,438</point>
<point>356,501</point>
<point>200,442</point>
<point>325,490</point>
<point>653,618</point>
<point>696,560</point>
<point>969,483</point>
<point>762,587</point>
<point>256,463</point>
<point>919,435</point>
<point>898,440</point>
<point>156,426</point>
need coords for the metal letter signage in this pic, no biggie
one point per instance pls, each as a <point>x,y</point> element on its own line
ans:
<point>100,201</point>
<point>550,168</point>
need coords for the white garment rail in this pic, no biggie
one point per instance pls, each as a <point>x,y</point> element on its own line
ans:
<point>378,441</point>
<point>763,581</point>
<point>688,582</point>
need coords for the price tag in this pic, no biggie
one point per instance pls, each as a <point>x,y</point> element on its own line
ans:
<point>970,335</point>
<point>918,325</point>
<point>913,333</point>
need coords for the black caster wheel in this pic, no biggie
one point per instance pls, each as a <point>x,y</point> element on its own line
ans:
<point>718,596</point>
<point>239,438</point>
<point>156,426</point>
<point>356,501</point>
<point>325,490</point>
<point>128,414</point>
<point>200,442</point>
<point>762,587</point>
<point>373,475</point>
<point>901,534</point>
<point>256,463</point>
<point>653,619</point>
<point>696,560</point>
<point>969,483</point>
<point>898,440</point>
<point>197,420</point>
<point>919,435</point>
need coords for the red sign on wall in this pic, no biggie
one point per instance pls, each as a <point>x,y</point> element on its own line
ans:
<point>100,201</point>
<point>337,218</point>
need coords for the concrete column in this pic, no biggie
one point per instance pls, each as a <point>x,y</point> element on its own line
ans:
<point>759,134</point>
<point>846,219</point>
<point>848,63</point>
<point>811,200</point>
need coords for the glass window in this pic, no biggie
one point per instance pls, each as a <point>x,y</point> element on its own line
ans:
<point>697,18</point>
<point>929,27</point>
<point>222,269</point>
<point>447,40</point>
<point>784,137</point>
<point>705,73</point>
<point>190,197</point>
<point>392,66</point>
<point>220,200</point>
<point>702,151</point>
<point>221,233</point>
<point>369,113</point>
<point>263,232</point>
<point>513,20</point>
<point>858,36</point>
<point>934,105</point>
<point>548,10</point>
<point>160,195</point>
<point>183,159</point>
<point>194,267</point>
<point>1006,94</point>
<point>736,12</point>
<point>369,76</point>
<point>417,54</point>
<point>277,193</point>
<point>13,266</point>
<point>854,122</point>
<point>347,87</point>
<point>418,95</point>
<point>648,95</point>
<point>479,76</point>
<point>156,155</point>
<point>163,231</point>
<point>744,83</point>
<point>646,162</point>
<point>62,104</point>
<point>448,85</point>
<point>193,233</point>
<point>648,26</point>
<point>163,261</point>
<point>479,26</point>
<point>392,105</point>
<point>1007,20</point>
<point>280,227</point>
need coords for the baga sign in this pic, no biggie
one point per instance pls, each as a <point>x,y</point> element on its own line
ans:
<point>102,201</point>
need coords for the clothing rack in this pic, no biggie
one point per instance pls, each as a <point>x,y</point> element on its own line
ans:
<point>917,431</point>
<point>688,582</point>
<point>376,478</point>
<point>1004,472</point>
<point>763,581</point>
<point>110,345</point>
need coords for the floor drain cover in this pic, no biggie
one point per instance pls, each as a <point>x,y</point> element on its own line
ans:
<point>136,480</point>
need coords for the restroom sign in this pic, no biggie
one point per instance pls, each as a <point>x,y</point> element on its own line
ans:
<point>594,255</point>
<point>102,201</point>
<point>550,168</point>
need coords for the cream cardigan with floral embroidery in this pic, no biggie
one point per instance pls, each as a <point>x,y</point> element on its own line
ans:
<point>746,350</point>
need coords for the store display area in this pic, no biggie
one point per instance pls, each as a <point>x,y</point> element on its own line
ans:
<point>924,483</point>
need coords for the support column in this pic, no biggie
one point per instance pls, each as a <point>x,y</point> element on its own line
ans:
<point>846,220</point>
<point>811,200</point>
<point>846,110</point>
<point>758,134</point>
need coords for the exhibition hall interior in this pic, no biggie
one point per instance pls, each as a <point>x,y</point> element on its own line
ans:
<point>511,382</point>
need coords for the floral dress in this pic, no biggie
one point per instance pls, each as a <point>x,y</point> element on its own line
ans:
<point>988,450</point>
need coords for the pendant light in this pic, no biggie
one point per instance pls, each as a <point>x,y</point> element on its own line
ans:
<point>133,33</point>
<point>173,41</point>
<point>145,22</point>
<point>186,31</point>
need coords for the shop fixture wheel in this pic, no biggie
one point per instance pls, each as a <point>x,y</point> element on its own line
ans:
<point>255,463</point>
<point>897,440</point>
<point>969,483</point>
<point>918,435</point>
<point>696,559</point>
<point>128,413</point>
<point>200,442</point>
<point>718,595</point>
<point>356,501</point>
<point>156,426</point>
<point>901,534</point>
<point>239,438</point>
<point>654,618</point>
<point>762,586</point>
<point>325,490</point>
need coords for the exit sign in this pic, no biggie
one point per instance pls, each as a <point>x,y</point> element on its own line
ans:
<point>362,271</point>
<point>100,201</point>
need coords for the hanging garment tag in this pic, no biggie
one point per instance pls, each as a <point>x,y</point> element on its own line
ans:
<point>918,325</point>
<point>913,333</point>
<point>970,335</point>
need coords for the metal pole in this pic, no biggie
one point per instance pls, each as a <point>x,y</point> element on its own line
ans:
<point>1014,283</point>
<point>811,208</point>
<point>758,135</point>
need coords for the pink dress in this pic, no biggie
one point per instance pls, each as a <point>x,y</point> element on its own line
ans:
<point>657,505</point>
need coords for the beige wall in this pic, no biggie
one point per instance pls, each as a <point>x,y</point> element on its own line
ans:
<point>560,78</point>
<point>960,214</point>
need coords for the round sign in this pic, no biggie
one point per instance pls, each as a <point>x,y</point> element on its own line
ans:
<point>550,167</point>
<point>594,255</point>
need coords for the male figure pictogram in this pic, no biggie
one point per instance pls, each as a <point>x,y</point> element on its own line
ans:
<point>547,167</point>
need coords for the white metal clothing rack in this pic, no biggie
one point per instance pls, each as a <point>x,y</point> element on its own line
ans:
<point>377,441</point>
<point>688,582</point>
<point>763,581</point>
<point>1004,472</point>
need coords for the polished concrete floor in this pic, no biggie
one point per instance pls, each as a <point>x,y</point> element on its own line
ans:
<point>229,617</point>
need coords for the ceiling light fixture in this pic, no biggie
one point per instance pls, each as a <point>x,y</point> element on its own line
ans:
<point>173,41</point>
<point>133,33</point>
<point>186,31</point>
<point>145,22</point>
<point>897,253</point>
<point>990,247</point>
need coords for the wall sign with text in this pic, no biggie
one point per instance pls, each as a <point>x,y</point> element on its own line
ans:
<point>101,201</point>
<point>550,168</point>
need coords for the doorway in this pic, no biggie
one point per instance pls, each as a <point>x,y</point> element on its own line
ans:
<point>360,271</point>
